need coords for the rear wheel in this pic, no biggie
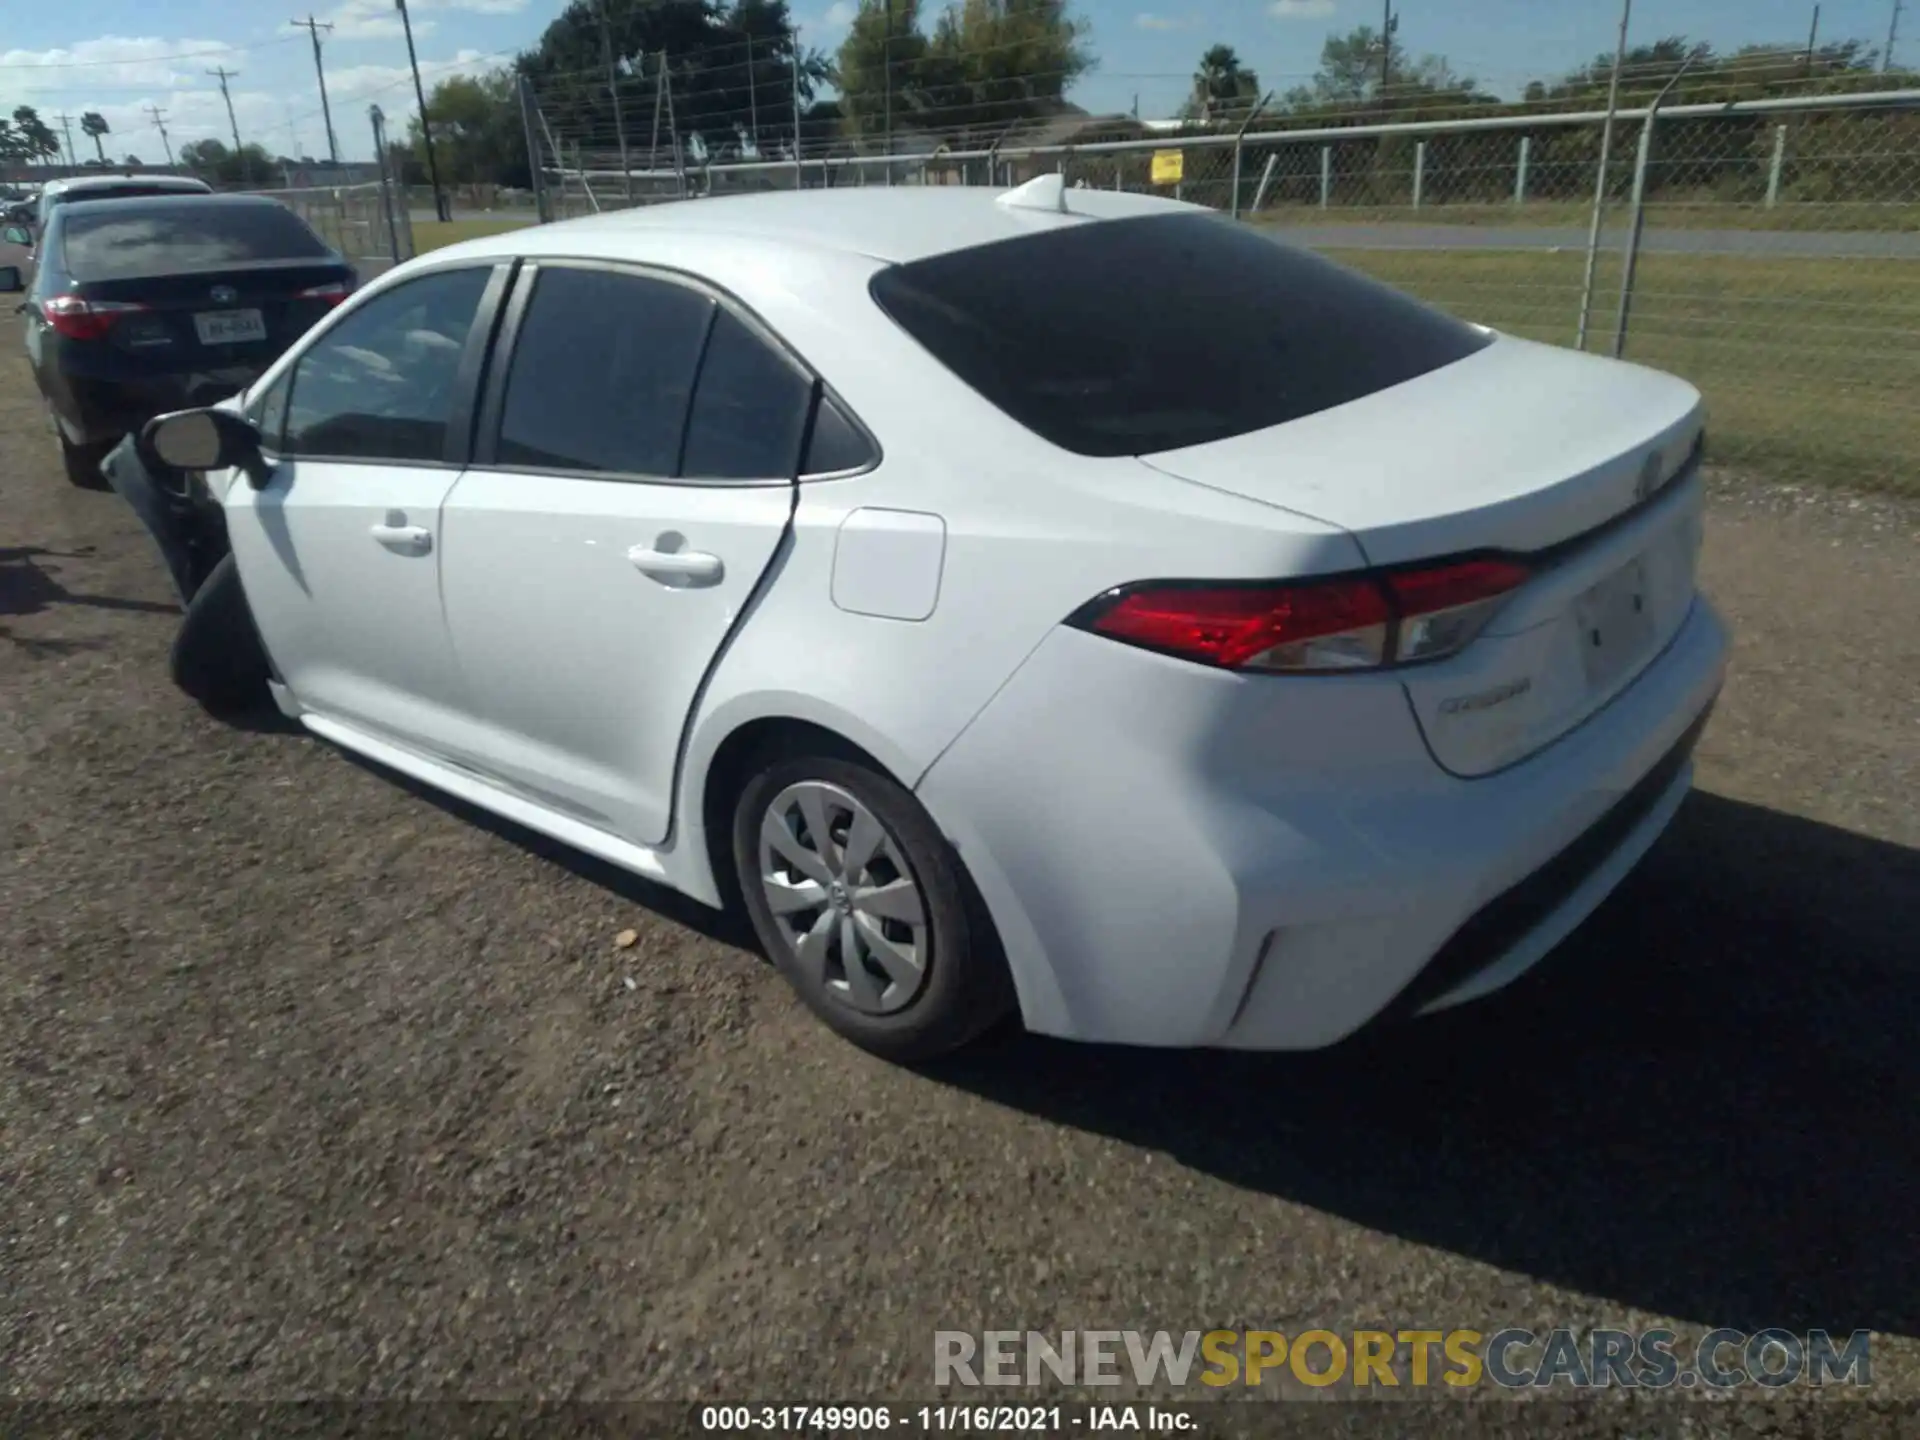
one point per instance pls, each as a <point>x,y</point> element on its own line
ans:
<point>82,464</point>
<point>863,906</point>
<point>217,657</point>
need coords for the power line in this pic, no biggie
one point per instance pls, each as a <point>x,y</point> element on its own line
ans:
<point>313,28</point>
<point>246,165</point>
<point>159,118</point>
<point>140,59</point>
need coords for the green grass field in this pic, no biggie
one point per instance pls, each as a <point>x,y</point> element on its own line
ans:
<point>432,234</point>
<point>1810,368</point>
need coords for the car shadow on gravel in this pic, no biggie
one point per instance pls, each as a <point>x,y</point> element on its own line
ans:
<point>27,589</point>
<point>1702,1106</point>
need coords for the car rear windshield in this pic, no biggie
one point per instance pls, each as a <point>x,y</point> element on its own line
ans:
<point>183,235</point>
<point>1131,337</point>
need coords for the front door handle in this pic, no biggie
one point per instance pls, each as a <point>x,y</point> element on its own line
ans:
<point>695,566</point>
<point>404,539</point>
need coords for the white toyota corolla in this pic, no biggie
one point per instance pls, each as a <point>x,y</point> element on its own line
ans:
<point>1058,601</point>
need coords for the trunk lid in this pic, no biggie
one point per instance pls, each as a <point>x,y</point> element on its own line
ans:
<point>236,319</point>
<point>1584,465</point>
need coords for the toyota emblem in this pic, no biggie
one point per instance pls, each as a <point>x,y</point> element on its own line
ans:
<point>225,294</point>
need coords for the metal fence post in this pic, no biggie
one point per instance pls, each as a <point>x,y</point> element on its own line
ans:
<point>1419,170</point>
<point>1326,176</point>
<point>1779,163</point>
<point>1520,175</point>
<point>1233,207</point>
<point>1266,179</point>
<point>1628,270</point>
<point>542,206</point>
<point>386,183</point>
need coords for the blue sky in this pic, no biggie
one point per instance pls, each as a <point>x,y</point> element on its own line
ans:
<point>120,56</point>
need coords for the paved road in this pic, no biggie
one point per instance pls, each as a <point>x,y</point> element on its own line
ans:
<point>311,1085</point>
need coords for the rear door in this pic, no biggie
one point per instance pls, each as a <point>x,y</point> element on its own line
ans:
<point>631,485</point>
<point>341,551</point>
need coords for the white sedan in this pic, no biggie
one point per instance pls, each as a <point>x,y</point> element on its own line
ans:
<point>1060,603</point>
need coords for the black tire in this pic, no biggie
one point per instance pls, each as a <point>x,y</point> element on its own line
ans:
<point>964,987</point>
<point>217,658</point>
<point>82,464</point>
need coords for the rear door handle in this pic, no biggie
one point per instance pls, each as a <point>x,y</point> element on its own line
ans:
<point>404,539</point>
<point>695,565</point>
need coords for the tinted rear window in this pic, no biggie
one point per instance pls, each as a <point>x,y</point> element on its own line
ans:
<point>1131,337</point>
<point>182,235</point>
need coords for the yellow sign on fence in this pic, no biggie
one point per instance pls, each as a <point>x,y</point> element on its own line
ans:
<point>1169,166</point>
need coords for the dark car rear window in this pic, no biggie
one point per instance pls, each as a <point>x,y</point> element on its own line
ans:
<point>119,192</point>
<point>1129,337</point>
<point>181,235</point>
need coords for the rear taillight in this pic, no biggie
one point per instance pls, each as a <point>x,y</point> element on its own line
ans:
<point>1350,622</point>
<point>79,318</point>
<point>331,294</point>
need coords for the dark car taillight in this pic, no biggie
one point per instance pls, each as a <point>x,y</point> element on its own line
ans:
<point>1348,622</point>
<point>78,318</point>
<point>331,294</point>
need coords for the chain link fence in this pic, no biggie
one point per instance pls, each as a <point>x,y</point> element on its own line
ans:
<point>370,224</point>
<point>1768,251</point>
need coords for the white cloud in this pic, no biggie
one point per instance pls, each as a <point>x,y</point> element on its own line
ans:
<point>1161,22</point>
<point>840,13</point>
<point>115,62</point>
<point>1301,9</point>
<point>379,20</point>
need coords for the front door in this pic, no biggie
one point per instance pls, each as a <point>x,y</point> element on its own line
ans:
<point>631,485</point>
<point>340,552</point>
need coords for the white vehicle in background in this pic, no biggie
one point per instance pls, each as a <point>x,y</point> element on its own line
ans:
<point>1063,603</point>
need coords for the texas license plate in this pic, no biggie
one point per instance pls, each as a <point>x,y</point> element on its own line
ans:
<point>230,327</point>
<point>1616,624</point>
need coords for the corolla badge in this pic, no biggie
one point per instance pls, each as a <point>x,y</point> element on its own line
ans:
<point>225,295</point>
<point>1650,476</point>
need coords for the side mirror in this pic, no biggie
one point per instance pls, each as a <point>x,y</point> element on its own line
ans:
<point>10,283</point>
<point>207,440</point>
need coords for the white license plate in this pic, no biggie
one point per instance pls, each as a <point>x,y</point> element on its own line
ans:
<point>230,327</point>
<point>1616,624</point>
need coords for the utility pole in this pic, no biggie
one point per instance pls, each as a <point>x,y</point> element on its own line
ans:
<point>1813,38</point>
<point>613,91</point>
<point>1893,36</point>
<point>440,207</point>
<point>160,123</point>
<point>66,128</point>
<point>246,166</point>
<point>313,28</point>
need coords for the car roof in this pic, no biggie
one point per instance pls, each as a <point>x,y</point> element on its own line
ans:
<point>894,225</point>
<point>101,182</point>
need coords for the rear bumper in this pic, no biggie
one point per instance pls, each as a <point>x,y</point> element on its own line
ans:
<point>1185,858</point>
<point>100,412</point>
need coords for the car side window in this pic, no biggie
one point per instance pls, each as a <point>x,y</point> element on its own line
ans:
<point>16,235</point>
<point>381,385</point>
<point>837,444</point>
<point>269,414</point>
<point>602,373</point>
<point>749,408</point>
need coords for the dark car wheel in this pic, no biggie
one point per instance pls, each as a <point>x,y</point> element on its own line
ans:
<point>864,907</point>
<point>82,463</point>
<point>217,657</point>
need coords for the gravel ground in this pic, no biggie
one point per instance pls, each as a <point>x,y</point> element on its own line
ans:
<point>312,1085</point>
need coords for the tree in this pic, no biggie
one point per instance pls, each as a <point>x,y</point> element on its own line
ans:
<point>216,164</point>
<point>1350,77</point>
<point>478,134</point>
<point>728,70</point>
<point>94,124</point>
<point>40,141</point>
<point>1223,88</point>
<point>987,65</point>
<point>133,162</point>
